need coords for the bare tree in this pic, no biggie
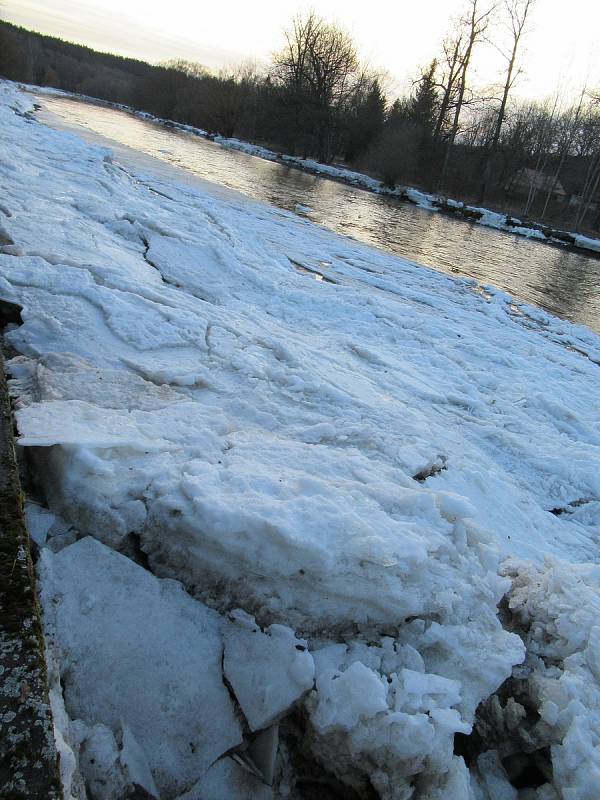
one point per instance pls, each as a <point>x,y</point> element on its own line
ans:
<point>190,68</point>
<point>450,63</point>
<point>472,27</point>
<point>589,191</point>
<point>291,61</point>
<point>540,128</point>
<point>318,68</point>
<point>517,12</point>
<point>290,66</point>
<point>590,147</point>
<point>570,124</point>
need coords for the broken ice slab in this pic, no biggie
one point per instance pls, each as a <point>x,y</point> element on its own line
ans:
<point>494,780</point>
<point>263,752</point>
<point>267,671</point>
<point>135,765</point>
<point>139,652</point>
<point>110,771</point>
<point>227,780</point>
<point>39,521</point>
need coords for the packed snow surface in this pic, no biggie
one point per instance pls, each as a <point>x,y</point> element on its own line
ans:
<point>333,469</point>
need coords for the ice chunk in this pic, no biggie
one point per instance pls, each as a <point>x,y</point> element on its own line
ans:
<point>70,776</point>
<point>268,671</point>
<point>263,752</point>
<point>99,762</point>
<point>110,771</point>
<point>592,652</point>
<point>135,764</point>
<point>227,780</point>
<point>494,777</point>
<point>373,727</point>
<point>328,657</point>
<point>556,608</point>
<point>416,691</point>
<point>139,651</point>
<point>455,784</point>
<point>346,698</point>
<point>39,521</point>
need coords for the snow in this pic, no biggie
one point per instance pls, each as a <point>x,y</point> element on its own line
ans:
<point>334,470</point>
<point>302,209</point>
<point>587,242</point>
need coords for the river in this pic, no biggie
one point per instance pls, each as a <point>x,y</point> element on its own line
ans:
<point>561,281</point>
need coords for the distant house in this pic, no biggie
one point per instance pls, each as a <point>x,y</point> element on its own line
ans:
<point>526,179</point>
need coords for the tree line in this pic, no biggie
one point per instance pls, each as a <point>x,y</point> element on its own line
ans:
<point>317,100</point>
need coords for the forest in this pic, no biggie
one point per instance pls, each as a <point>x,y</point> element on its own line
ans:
<point>534,160</point>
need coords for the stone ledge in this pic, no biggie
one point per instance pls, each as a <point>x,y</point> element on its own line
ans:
<point>28,757</point>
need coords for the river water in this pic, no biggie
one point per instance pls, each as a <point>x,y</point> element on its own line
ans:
<point>564,282</point>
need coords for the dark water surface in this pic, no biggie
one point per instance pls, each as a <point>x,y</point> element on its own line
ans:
<point>561,281</point>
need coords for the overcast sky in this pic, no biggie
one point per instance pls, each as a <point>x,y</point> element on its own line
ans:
<point>561,50</point>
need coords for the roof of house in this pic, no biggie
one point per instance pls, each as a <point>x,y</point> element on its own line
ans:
<point>527,177</point>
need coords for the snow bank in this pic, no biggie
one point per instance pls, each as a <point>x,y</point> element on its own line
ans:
<point>348,459</point>
<point>587,243</point>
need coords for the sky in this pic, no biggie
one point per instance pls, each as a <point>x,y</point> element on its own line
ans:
<point>561,50</point>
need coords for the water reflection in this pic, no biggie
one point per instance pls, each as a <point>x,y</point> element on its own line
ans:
<point>568,279</point>
<point>563,282</point>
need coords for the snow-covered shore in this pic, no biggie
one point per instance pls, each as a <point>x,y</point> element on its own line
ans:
<point>422,199</point>
<point>334,469</point>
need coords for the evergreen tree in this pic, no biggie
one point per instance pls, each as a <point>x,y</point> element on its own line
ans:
<point>424,105</point>
<point>366,116</point>
<point>398,114</point>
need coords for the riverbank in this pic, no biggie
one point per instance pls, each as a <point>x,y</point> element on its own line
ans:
<point>425,200</point>
<point>282,513</point>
